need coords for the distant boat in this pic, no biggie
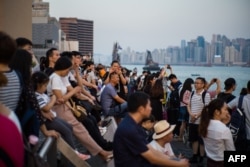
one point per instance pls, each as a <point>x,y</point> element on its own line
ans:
<point>195,75</point>
<point>246,65</point>
<point>150,65</point>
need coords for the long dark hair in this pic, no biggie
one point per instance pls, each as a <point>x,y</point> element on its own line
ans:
<point>157,89</point>
<point>22,62</point>
<point>208,113</point>
<point>186,86</point>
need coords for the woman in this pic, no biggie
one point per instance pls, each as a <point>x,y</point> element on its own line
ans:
<point>60,87</point>
<point>184,100</point>
<point>10,87</point>
<point>216,135</point>
<point>28,110</point>
<point>156,97</point>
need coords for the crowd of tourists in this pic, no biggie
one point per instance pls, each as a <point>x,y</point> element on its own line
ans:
<point>151,109</point>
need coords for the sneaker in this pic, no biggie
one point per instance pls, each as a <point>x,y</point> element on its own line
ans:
<point>82,156</point>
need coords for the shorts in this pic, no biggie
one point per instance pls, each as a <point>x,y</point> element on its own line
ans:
<point>183,114</point>
<point>194,133</point>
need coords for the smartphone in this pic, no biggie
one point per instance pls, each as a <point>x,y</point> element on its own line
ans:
<point>215,80</point>
<point>168,67</point>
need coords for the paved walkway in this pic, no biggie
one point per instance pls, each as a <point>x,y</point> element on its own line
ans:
<point>185,149</point>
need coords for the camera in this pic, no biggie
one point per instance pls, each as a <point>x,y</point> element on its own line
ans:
<point>168,66</point>
<point>214,79</point>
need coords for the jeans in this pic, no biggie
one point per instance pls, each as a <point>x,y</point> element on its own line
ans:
<point>118,111</point>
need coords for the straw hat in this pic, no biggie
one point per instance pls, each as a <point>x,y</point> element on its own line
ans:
<point>162,128</point>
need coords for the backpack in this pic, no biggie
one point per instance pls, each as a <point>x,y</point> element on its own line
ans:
<point>174,98</point>
<point>237,126</point>
<point>202,96</point>
<point>227,97</point>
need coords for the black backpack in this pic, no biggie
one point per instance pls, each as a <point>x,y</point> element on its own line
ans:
<point>237,127</point>
<point>202,96</point>
<point>174,98</point>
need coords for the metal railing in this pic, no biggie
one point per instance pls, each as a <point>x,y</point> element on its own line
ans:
<point>49,150</point>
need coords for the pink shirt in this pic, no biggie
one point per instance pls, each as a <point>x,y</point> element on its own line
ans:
<point>186,98</point>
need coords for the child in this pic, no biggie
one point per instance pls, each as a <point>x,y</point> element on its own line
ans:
<point>40,81</point>
<point>147,125</point>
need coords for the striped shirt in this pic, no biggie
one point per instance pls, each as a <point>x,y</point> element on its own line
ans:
<point>43,100</point>
<point>9,94</point>
<point>197,105</point>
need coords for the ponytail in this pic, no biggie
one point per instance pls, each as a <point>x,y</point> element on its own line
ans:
<point>44,63</point>
<point>205,119</point>
<point>208,113</point>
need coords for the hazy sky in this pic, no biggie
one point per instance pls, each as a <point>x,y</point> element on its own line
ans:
<point>148,24</point>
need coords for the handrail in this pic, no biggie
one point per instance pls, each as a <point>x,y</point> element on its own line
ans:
<point>46,146</point>
<point>50,147</point>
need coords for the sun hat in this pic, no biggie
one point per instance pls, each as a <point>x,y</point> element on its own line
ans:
<point>162,128</point>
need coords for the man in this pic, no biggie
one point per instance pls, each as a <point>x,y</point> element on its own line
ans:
<point>115,67</point>
<point>174,102</point>
<point>112,104</point>
<point>162,137</point>
<point>26,44</point>
<point>230,86</point>
<point>130,145</point>
<point>199,98</point>
<point>246,109</point>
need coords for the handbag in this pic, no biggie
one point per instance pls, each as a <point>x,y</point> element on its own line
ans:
<point>78,111</point>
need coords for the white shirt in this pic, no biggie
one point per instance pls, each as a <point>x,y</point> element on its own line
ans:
<point>167,149</point>
<point>57,83</point>
<point>219,139</point>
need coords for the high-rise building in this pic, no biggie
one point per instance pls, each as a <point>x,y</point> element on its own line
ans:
<point>79,30</point>
<point>45,29</point>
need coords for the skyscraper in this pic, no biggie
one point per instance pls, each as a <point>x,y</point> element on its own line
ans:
<point>79,30</point>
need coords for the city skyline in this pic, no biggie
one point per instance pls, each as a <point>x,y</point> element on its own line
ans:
<point>147,25</point>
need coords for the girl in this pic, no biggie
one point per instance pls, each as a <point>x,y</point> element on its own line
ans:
<point>185,94</point>
<point>216,135</point>
<point>40,81</point>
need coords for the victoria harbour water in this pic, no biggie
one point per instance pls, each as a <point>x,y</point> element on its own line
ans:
<point>241,74</point>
